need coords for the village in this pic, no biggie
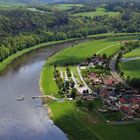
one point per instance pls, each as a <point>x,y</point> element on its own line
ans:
<point>95,82</point>
<point>115,95</point>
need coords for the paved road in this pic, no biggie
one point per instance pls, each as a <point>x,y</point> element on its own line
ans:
<point>112,67</point>
<point>82,79</point>
<point>129,59</point>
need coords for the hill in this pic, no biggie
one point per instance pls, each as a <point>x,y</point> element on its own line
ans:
<point>66,1</point>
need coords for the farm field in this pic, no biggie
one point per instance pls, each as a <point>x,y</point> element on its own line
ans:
<point>131,68</point>
<point>98,12</point>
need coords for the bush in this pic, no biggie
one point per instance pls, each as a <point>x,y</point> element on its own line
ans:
<point>90,106</point>
<point>79,103</point>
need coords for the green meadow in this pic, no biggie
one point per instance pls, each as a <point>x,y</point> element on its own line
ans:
<point>88,125</point>
<point>64,7</point>
<point>10,4</point>
<point>99,12</point>
<point>133,53</point>
<point>131,68</point>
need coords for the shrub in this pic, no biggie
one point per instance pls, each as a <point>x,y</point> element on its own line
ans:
<point>79,103</point>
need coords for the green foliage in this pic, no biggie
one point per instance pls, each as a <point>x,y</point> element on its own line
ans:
<point>90,106</point>
<point>73,93</point>
<point>79,103</point>
<point>135,83</point>
<point>21,28</point>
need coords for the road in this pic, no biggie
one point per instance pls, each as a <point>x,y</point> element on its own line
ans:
<point>112,67</point>
<point>82,79</point>
<point>129,59</point>
<point>79,72</point>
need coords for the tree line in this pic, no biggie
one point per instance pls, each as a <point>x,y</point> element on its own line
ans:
<point>20,28</point>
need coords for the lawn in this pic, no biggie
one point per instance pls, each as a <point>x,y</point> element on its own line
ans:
<point>73,56</point>
<point>65,115</point>
<point>133,53</point>
<point>99,11</point>
<point>131,68</point>
<point>87,126</point>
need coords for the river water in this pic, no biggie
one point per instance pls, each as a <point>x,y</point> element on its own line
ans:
<point>27,119</point>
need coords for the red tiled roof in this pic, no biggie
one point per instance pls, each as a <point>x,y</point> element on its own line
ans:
<point>92,75</point>
<point>126,109</point>
<point>135,100</point>
<point>124,100</point>
<point>110,80</point>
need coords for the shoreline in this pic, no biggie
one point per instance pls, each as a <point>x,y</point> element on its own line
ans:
<point>8,60</point>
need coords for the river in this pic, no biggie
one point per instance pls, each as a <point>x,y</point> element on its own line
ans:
<point>27,119</point>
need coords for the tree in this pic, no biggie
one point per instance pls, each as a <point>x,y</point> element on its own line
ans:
<point>67,85</point>
<point>135,83</point>
<point>72,84</point>
<point>122,73</point>
<point>104,56</point>
<point>73,93</point>
<point>79,103</point>
<point>90,106</point>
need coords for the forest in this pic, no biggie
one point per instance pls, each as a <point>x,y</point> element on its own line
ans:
<point>21,28</point>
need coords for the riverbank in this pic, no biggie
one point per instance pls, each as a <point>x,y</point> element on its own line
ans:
<point>8,60</point>
<point>86,125</point>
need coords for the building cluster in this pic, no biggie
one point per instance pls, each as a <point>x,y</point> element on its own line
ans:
<point>96,60</point>
<point>124,99</point>
<point>115,96</point>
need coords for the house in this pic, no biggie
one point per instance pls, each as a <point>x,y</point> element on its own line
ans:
<point>125,101</point>
<point>104,92</point>
<point>127,110</point>
<point>124,42</point>
<point>95,78</point>
<point>109,80</point>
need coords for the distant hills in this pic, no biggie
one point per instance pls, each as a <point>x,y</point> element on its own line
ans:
<point>31,1</point>
<point>74,1</point>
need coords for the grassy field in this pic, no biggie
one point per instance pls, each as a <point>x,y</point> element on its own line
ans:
<point>64,7</point>
<point>98,12</point>
<point>74,55</point>
<point>131,68</point>
<point>35,10</point>
<point>10,4</point>
<point>133,53</point>
<point>88,125</point>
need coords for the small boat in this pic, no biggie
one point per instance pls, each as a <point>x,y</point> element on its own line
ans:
<point>20,98</point>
